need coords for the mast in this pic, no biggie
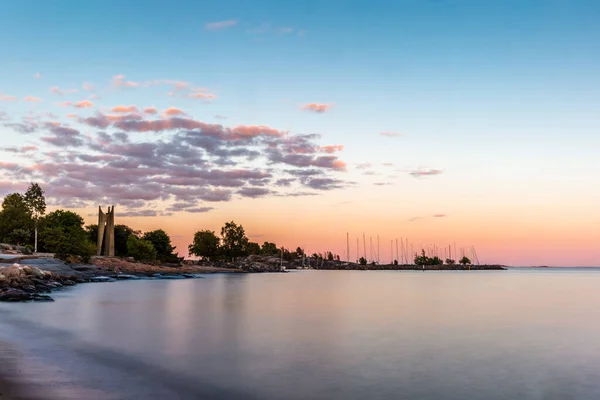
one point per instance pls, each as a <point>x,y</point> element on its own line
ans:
<point>364,247</point>
<point>348,247</point>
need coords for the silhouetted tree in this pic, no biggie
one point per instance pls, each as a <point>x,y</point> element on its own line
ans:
<point>162,244</point>
<point>465,260</point>
<point>234,240</point>
<point>206,244</point>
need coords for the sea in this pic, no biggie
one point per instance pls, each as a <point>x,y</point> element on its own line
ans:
<point>523,333</point>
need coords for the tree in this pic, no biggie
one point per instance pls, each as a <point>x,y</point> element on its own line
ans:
<point>465,260</point>
<point>162,243</point>
<point>362,261</point>
<point>234,240</point>
<point>36,203</point>
<point>19,236</point>
<point>15,214</point>
<point>122,233</point>
<point>206,244</point>
<point>62,233</point>
<point>141,250</point>
<point>299,252</point>
<point>395,262</point>
<point>253,248</point>
<point>329,256</point>
<point>450,261</point>
<point>269,249</point>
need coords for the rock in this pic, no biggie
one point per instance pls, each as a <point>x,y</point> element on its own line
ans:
<point>126,277</point>
<point>42,297</point>
<point>130,259</point>
<point>13,294</point>
<point>4,246</point>
<point>102,279</point>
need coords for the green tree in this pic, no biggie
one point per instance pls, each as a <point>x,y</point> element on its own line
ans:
<point>141,250</point>
<point>465,260</point>
<point>362,261</point>
<point>62,233</point>
<point>206,244</point>
<point>15,214</point>
<point>234,239</point>
<point>269,249</point>
<point>20,236</point>
<point>36,202</point>
<point>162,243</point>
<point>253,248</point>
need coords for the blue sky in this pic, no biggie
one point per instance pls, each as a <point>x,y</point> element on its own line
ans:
<point>502,96</point>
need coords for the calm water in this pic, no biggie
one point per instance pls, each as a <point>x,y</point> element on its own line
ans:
<point>517,334</point>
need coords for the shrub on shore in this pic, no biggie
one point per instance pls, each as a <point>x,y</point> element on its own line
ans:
<point>141,250</point>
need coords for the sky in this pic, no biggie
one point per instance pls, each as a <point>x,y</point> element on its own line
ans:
<point>436,122</point>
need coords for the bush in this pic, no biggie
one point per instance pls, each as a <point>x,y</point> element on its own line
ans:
<point>362,261</point>
<point>140,250</point>
<point>62,233</point>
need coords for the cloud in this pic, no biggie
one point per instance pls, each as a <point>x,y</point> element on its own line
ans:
<point>190,161</point>
<point>172,112</point>
<point>5,97</point>
<point>20,150</point>
<point>37,75</point>
<point>150,110</point>
<point>331,149</point>
<point>84,104</point>
<point>325,183</point>
<point>119,81</point>
<point>124,109</point>
<point>364,165</point>
<point>213,26</point>
<point>222,117</point>
<point>439,215</point>
<point>61,92</point>
<point>4,116</point>
<point>427,172</point>
<point>318,108</point>
<point>253,192</point>
<point>33,99</point>
<point>89,86</point>
<point>391,134</point>
<point>201,95</point>
<point>63,136</point>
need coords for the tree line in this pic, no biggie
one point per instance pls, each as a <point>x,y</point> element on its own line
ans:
<point>233,242</point>
<point>23,221</point>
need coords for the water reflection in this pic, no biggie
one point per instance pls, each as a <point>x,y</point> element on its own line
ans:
<point>332,334</point>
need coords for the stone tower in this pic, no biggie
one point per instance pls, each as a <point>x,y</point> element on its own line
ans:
<point>106,232</point>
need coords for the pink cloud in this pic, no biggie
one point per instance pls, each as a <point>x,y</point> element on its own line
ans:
<point>318,108</point>
<point>61,92</point>
<point>422,173</point>
<point>33,99</point>
<point>84,104</point>
<point>439,215</point>
<point>119,81</point>
<point>201,95</point>
<point>88,86</point>
<point>124,109</point>
<point>150,110</point>
<point>391,134</point>
<point>172,112</point>
<point>240,132</point>
<point>37,75</point>
<point>65,104</point>
<point>213,26</point>
<point>5,97</point>
<point>331,149</point>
